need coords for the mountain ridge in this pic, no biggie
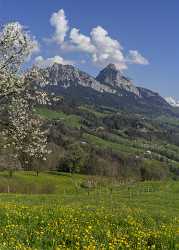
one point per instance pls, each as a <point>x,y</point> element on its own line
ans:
<point>109,88</point>
<point>111,76</point>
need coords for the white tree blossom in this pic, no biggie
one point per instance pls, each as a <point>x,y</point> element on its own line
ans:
<point>22,131</point>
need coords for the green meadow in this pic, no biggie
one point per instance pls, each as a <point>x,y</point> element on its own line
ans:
<point>87,212</point>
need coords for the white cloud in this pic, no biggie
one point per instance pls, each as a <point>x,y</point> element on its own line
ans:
<point>108,50</point>
<point>35,49</point>
<point>81,41</point>
<point>35,46</point>
<point>136,58</point>
<point>101,48</point>
<point>60,23</point>
<point>44,63</point>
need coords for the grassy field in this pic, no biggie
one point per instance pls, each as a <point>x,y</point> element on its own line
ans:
<point>71,215</point>
<point>71,119</point>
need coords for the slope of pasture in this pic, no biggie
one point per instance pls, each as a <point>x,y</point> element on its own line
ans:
<point>117,143</point>
<point>72,120</point>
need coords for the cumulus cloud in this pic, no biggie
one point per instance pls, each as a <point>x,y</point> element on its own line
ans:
<point>101,48</point>
<point>44,63</point>
<point>108,50</point>
<point>99,45</point>
<point>60,23</point>
<point>35,46</point>
<point>35,49</point>
<point>81,41</point>
<point>136,58</point>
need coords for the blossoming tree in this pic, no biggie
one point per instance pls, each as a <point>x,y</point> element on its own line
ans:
<point>24,138</point>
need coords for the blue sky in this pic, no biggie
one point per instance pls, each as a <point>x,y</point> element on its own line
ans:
<point>148,27</point>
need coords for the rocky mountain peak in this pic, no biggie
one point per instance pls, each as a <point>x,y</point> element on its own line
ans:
<point>110,88</point>
<point>111,76</point>
<point>110,79</point>
<point>67,76</point>
<point>111,66</point>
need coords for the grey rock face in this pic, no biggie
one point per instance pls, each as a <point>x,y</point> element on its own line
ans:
<point>111,76</point>
<point>67,75</point>
<point>109,80</point>
<point>109,88</point>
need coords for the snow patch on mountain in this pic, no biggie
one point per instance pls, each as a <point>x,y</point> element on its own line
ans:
<point>172,101</point>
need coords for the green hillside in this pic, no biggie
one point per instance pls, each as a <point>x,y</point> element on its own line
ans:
<point>116,201</point>
<point>73,120</point>
<point>122,135</point>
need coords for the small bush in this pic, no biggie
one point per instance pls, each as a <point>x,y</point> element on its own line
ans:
<point>153,170</point>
